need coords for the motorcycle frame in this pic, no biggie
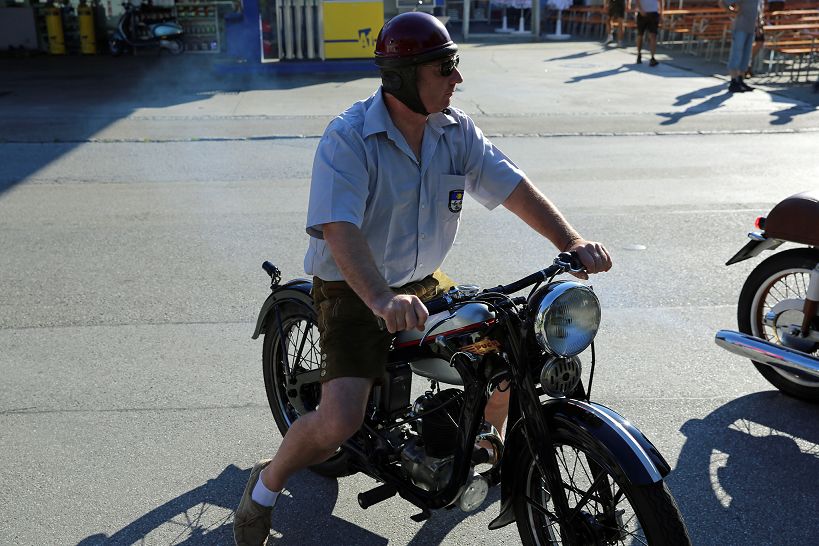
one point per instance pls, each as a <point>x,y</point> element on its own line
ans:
<point>527,418</point>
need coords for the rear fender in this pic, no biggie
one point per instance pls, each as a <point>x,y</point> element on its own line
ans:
<point>593,425</point>
<point>754,247</point>
<point>296,291</point>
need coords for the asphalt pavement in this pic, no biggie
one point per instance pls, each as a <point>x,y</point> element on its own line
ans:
<point>139,196</point>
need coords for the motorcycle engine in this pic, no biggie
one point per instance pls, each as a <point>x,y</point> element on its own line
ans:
<point>427,458</point>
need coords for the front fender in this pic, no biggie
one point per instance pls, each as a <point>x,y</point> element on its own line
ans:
<point>591,425</point>
<point>297,290</point>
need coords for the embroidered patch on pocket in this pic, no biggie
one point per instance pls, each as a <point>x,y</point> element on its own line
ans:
<point>456,200</point>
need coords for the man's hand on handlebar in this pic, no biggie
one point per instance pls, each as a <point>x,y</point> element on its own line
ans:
<point>401,312</point>
<point>593,255</point>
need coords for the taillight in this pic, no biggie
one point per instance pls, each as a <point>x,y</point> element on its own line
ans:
<point>760,223</point>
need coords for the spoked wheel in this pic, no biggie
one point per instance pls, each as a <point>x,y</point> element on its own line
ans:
<point>770,303</point>
<point>605,508</point>
<point>291,360</point>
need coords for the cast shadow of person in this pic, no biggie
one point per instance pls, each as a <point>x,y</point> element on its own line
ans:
<point>204,515</point>
<point>578,55</point>
<point>714,100</point>
<point>749,472</point>
<point>793,108</point>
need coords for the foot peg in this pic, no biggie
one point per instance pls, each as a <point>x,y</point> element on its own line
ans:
<point>374,496</point>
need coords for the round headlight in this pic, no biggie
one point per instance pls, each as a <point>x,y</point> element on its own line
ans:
<point>567,318</point>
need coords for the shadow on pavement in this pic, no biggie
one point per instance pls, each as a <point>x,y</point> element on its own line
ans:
<point>303,516</point>
<point>89,94</point>
<point>794,108</point>
<point>748,472</point>
<point>712,103</point>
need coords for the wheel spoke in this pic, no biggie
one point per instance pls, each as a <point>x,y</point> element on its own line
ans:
<point>307,331</point>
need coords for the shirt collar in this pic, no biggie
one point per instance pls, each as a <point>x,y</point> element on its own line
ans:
<point>377,118</point>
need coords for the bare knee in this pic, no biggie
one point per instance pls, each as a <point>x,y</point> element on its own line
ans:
<point>342,407</point>
<point>338,426</point>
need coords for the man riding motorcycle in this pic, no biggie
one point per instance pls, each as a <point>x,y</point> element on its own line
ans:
<point>386,194</point>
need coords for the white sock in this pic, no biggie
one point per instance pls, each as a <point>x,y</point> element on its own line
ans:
<point>264,496</point>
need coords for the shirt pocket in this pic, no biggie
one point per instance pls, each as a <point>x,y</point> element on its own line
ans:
<point>450,198</point>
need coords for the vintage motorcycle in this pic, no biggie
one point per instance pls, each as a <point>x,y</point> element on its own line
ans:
<point>778,311</point>
<point>570,471</point>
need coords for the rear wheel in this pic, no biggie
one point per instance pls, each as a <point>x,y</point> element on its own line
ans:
<point>291,359</point>
<point>606,507</point>
<point>778,286</point>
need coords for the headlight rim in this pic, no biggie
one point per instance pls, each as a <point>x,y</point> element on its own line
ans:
<point>552,292</point>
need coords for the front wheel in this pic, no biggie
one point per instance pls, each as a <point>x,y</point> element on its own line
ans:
<point>605,507</point>
<point>778,287</point>
<point>291,359</point>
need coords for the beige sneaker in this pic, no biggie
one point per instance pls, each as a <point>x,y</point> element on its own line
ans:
<point>251,522</point>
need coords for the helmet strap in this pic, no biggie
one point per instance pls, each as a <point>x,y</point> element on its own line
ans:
<point>401,82</point>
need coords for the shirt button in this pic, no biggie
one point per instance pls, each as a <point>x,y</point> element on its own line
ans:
<point>423,206</point>
<point>423,236</point>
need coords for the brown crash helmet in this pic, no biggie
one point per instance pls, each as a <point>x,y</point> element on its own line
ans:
<point>406,41</point>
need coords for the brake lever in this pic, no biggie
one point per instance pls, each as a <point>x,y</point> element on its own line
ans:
<point>569,262</point>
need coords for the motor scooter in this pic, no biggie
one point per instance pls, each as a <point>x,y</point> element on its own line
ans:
<point>133,32</point>
<point>778,310</point>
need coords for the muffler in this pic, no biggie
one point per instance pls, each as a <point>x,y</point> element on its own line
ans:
<point>768,353</point>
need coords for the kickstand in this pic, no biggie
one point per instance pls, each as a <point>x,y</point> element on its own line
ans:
<point>423,516</point>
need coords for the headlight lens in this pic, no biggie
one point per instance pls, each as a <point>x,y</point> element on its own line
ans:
<point>567,318</point>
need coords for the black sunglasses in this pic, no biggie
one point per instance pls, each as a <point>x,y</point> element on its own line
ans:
<point>448,66</point>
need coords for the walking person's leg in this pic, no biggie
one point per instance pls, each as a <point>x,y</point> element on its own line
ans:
<point>747,48</point>
<point>639,47</point>
<point>653,29</point>
<point>735,66</point>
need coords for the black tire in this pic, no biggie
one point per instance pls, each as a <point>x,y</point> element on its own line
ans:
<point>643,514</point>
<point>788,272</point>
<point>298,326</point>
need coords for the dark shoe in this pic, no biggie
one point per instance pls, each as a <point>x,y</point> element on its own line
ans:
<point>745,86</point>
<point>653,62</point>
<point>639,60</point>
<point>735,87</point>
<point>251,522</point>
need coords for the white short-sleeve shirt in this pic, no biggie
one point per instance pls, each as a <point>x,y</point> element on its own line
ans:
<point>365,173</point>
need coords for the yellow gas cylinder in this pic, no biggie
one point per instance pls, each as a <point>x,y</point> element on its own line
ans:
<point>54,27</point>
<point>88,38</point>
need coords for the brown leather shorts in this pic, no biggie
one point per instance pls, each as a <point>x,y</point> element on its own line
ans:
<point>352,341</point>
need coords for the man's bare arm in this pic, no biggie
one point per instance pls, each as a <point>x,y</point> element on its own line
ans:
<point>355,261</point>
<point>530,205</point>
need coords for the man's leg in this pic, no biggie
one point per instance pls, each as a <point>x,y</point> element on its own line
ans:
<point>639,47</point>
<point>652,45</point>
<point>314,437</point>
<point>497,408</point>
<point>311,439</point>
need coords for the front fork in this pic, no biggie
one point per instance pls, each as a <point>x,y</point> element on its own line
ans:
<point>541,446</point>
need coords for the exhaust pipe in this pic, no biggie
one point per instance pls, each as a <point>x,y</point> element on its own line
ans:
<point>768,353</point>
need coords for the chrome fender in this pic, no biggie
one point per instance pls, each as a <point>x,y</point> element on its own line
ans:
<point>296,292</point>
<point>591,424</point>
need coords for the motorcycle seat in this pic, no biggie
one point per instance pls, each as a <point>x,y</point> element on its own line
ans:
<point>795,219</point>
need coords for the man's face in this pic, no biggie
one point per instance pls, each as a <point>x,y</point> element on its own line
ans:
<point>435,86</point>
